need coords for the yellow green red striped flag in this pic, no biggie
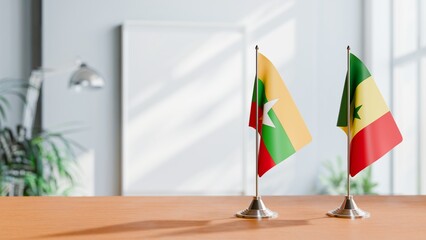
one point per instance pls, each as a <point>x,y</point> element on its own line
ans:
<point>373,129</point>
<point>281,126</point>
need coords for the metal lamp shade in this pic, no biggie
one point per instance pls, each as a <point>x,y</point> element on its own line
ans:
<point>86,77</point>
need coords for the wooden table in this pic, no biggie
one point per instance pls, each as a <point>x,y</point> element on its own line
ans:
<point>392,217</point>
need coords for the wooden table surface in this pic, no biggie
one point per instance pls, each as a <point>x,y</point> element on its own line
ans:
<point>392,217</point>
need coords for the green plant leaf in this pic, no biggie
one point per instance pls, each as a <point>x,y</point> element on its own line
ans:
<point>2,113</point>
<point>46,159</point>
<point>5,102</point>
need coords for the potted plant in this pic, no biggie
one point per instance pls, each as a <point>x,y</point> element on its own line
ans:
<point>37,164</point>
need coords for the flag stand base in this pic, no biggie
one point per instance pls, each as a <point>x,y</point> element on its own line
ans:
<point>257,209</point>
<point>348,209</point>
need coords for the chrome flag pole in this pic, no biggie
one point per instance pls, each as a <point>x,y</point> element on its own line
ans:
<point>348,209</point>
<point>257,208</point>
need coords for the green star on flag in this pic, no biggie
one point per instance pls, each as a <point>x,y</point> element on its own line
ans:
<point>356,115</point>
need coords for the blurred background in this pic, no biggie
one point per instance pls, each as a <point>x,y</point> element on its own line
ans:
<point>170,113</point>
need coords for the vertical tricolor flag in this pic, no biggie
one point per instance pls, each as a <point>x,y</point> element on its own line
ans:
<point>281,126</point>
<point>373,129</point>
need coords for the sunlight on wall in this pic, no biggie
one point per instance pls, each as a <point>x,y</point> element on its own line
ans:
<point>214,45</point>
<point>266,12</point>
<point>406,115</point>
<point>405,34</point>
<point>285,37</point>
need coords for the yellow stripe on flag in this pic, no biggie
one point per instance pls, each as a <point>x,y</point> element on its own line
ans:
<point>373,105</point>
<point>284,108</point>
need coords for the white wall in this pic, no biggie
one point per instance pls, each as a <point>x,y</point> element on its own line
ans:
<point>378,57</point>
<point>402,171</point>
<point>15,47</point>
<point>305,39</point>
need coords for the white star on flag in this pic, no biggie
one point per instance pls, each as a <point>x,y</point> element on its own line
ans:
<point>266,108</point>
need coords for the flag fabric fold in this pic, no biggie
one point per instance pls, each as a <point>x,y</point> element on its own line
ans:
<point>281,127</point>
<point>373,128</point>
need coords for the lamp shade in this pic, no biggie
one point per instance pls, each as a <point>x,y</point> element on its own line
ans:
<point>86,77</point>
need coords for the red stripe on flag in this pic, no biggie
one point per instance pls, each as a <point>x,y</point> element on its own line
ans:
<point>252,120</point>
<point>265,159</point>
<point>373,141</point>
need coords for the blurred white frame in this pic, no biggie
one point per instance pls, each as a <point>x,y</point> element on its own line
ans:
<point>180,156</point>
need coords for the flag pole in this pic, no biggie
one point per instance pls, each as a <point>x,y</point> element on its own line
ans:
<point>348,209</point>
<point>348,122</point>
<point>257,126</point>
<point>257,208</point>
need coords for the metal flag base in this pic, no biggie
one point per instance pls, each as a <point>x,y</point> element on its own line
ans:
<point>257,209</point>
<point>349,209</point>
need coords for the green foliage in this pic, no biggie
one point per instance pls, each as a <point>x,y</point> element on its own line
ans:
<point>36,166</point>
<point>334,180</point>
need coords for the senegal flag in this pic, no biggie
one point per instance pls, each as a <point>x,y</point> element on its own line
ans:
<point>373,129</point>
<point>281,126</point>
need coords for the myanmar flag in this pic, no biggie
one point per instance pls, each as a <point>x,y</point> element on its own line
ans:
<point>373,129</point>
<point>281,126</point>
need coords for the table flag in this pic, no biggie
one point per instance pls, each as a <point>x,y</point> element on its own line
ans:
<point>281,126</point>
<point>373,129</point>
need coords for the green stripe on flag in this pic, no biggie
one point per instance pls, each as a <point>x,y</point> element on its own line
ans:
<point>262,94</point>
<point>359,73</point>
<point>276,140</point>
